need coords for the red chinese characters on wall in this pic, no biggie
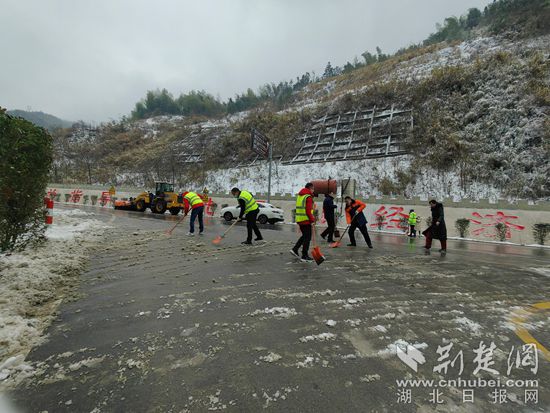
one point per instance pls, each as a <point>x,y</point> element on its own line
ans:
<point>75,196</point>
<point>391,218</point>
<point>485,224</point>
<point>105,198</point>
<point>210,209</point>
<point>52,192</point>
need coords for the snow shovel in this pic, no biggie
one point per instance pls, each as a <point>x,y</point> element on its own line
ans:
<point>316,251</point>
<point>219,238</point>
<point>169,231</point>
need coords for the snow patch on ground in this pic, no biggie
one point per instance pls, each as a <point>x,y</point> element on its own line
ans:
<point>271,357</point>
<point>75,223</point>
<point>311,294</point>
<point>308,362</point>
<point>279,312</point>
<point>468,324</point>
<point>34,281</point>
<point>543,271</point>
<point>369,377</point>
<point>380,328</point>
<point>318,337</point>
<point>89,363</point>
<point>353,322</point>
<point>276,396</point>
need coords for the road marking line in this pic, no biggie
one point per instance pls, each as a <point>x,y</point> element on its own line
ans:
<point>522,332</point>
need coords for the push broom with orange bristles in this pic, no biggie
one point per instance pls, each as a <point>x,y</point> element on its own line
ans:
<point>219,238</point>
<point>337,243</point>
<point>169,231</point>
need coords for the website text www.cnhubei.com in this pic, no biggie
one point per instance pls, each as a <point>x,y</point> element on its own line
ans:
<point>467,383</point>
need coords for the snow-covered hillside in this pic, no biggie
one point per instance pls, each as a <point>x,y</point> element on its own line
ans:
<point>480,110</point>
<point>466,53</point>
<point>289,179</point>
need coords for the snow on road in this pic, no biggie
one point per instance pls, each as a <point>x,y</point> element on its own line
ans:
<point>33,283</point>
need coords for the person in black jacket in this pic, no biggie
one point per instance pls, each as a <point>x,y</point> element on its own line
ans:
<point>328,210</point>
<point>437,229</point>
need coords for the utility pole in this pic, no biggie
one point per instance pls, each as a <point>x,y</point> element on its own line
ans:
<point>269,173</point>
<point>263,147</point>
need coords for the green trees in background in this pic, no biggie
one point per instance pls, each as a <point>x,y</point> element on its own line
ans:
<point>524,17</point>
<point>199,103</point>
<point>527,17</point>
<point>26,153</point>
<point>162,102</point>
<point>473,18</point>
<point>452,29</point>
<point>329,71</point>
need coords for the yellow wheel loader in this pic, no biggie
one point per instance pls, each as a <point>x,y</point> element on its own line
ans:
<point>163,199</point>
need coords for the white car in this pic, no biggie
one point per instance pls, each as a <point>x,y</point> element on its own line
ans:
<point>268,213</point>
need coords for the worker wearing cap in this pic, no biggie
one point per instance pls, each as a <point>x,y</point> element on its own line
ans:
<point>305,220</point>
<point>328,211</point>
<point>249,209</point>
<point>194,203</point>
<point>412,223</point>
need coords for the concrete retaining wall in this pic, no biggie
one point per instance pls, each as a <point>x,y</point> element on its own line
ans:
<point>518,218</point>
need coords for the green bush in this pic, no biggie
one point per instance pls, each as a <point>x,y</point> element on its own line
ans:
<point>462,225</point>
<point>67,197</point>
<point>501,231</point>
<point>94,199</point>
<point>26,153</point>
<point>57,197</point>
<point>85,199</point>
<point>540,232</point>
<point>380,221</point>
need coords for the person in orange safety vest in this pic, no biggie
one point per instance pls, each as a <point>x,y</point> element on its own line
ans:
<point>356,219</point>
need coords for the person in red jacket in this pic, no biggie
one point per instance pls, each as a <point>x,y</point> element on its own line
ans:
<point>192,201</point>
<point>305,219</point>
<point>356,219</point>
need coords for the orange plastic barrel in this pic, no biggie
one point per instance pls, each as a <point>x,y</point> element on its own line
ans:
<point>324,186</point>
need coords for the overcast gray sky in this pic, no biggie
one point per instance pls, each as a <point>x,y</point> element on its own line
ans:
<point>92,60</point>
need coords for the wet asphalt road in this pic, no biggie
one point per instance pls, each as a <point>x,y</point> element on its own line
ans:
<point>176,324</point>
